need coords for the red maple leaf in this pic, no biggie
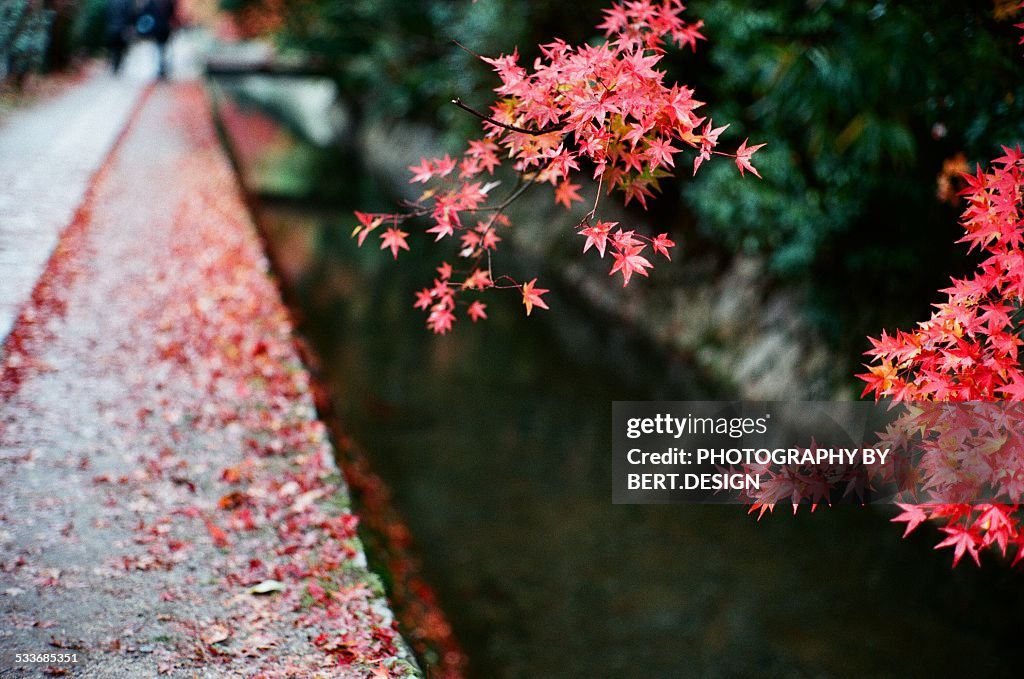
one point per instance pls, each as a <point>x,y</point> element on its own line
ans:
<point>394,238</point>
<point>913,515</point>
<point>532,296</point>
<point>963,540</point>
<point>566,193</point>
<point>478,280</point>
<point>477,310</point>
<point>423,299</point>
<point>220,538</point>
<point>1015,390</point>
<point>440,319</point>
<point>367,223</point>
<point>422,172</point>
<point>743,154</point>
<point>629,261</point>
<point>660,152</point>
<point>597,236</point>
<point>661,244</point>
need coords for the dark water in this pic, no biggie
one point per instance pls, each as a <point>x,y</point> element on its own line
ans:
<point>495,441</point>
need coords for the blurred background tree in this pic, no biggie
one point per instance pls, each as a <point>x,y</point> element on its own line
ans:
<point>397,60</point>
<point>870,109</point>
<point>24,37</point>
<point>48,36</point>
<point>88,31</point>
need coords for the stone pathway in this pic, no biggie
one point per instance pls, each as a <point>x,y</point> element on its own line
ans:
<point>48,155</point>
<point>169,505</point>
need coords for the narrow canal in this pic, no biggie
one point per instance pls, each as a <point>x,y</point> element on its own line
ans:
<point>495,442</point>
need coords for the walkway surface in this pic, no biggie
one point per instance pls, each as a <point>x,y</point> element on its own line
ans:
<point>169,505</point>
<point>48,155</point>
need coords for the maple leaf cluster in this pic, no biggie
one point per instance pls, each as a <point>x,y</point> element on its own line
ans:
<point>798,484</point>
<point>958,386</point>
<point>969,351</point>
<point>602,109</point>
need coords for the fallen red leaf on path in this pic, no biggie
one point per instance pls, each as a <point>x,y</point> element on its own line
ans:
<point>215,634</point>
<point>220,538</point>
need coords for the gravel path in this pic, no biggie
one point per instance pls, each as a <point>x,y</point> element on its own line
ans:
<point>169,505</point>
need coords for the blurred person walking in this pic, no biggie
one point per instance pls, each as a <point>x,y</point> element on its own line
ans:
<point>156,21</point>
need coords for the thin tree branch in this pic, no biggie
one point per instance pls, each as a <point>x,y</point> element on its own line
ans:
<point>512,128</point>
<point>466,49</point>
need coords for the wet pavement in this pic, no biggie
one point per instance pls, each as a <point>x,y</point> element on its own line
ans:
<point>48,155</point>
<point>169,505</point>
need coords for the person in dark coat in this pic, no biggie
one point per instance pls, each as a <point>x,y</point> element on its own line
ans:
<point>120,22</point>
<point>156,21</point>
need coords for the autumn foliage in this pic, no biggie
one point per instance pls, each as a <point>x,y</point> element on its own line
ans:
<point>602,110</point>
<point>957,393</point>
<point>605,110</point>
<point>969,351</point>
